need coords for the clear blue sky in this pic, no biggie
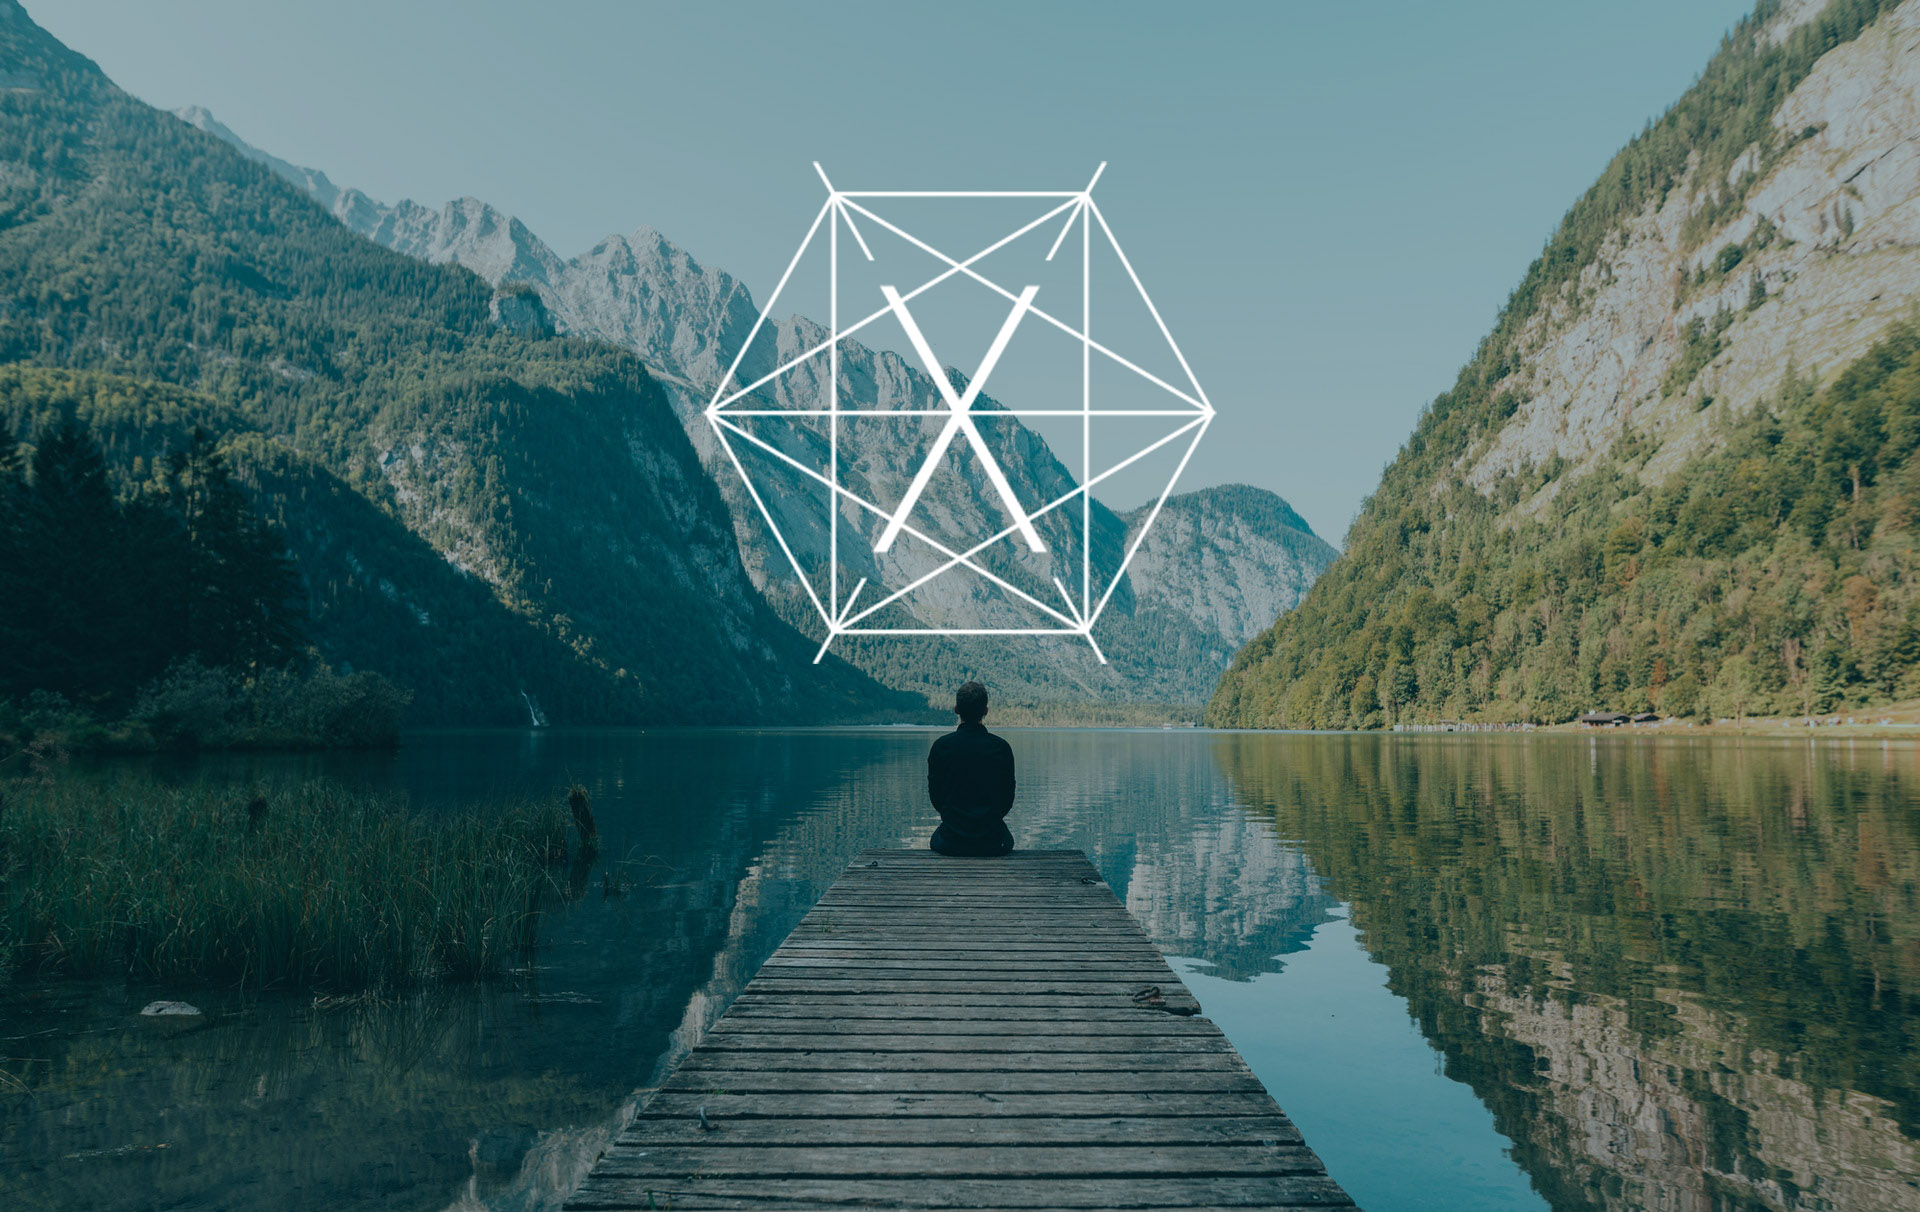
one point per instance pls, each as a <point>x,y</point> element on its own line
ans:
<point>1329,201</point>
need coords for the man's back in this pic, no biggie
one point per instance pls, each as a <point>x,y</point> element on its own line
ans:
<point>970,780</point>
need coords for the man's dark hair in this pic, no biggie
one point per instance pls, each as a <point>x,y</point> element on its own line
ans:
<point>970,704</point>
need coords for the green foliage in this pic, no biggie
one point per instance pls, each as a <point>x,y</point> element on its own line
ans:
<point>1632,887</point>
<point>1509,615</point>
<point>1702,346</point>
<point>195,707</point>
<point>494,517</point>
<point>306,885</point>
<point>98,594</point>
<point>1778,573</point>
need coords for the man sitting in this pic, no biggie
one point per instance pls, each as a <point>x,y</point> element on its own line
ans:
<point>970,780</point>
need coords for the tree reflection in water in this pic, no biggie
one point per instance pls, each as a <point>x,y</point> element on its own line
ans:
<point>1683,976</point>
<point>1679,976</point>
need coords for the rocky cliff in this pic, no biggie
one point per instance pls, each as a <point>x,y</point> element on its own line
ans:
<point>1675,475</point>
<point>1221,564</point>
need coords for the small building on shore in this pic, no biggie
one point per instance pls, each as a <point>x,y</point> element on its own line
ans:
<point>1604,719</point>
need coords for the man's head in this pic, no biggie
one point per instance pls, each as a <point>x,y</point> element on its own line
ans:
<point>970,703</point>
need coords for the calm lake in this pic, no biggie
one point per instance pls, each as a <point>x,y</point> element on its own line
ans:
<point>1480,972</point>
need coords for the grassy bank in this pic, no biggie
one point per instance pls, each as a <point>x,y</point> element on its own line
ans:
<point>308,885</point>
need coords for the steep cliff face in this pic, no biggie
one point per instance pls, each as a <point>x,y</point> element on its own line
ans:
<point>130,244</point>
<point>1674,476</point>
<point>1823,217</point>
<point>1647,1123</point>
<point>1220,564</point>
<point>1231,558</point>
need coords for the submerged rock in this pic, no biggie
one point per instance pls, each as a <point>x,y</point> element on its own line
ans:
<point>166,1009</point>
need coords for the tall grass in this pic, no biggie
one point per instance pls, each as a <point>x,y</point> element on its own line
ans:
<point>309,884</point>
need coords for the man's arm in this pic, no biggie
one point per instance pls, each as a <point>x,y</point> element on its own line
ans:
<point>934,788</point>
<point>1003,782</point>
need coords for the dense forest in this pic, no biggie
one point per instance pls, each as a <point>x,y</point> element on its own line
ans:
<point>166,613</point>
<point>1773,573</point>
<point>98,594</point>
<point>510,524</point>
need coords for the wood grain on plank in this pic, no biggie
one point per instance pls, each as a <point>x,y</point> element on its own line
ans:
<point>687,1194</point>
<point>968,1130</point>
<point>1000,1027</point>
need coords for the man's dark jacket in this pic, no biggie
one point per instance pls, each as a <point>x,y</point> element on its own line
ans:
<point>970,780</point>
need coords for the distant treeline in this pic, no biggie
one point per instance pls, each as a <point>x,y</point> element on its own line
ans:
<point>169,604</point>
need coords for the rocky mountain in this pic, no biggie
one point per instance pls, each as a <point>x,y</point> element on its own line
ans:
<point>1678,474</point>
<point>513,523</point>
<point>1221,563</point>
<point>1578,940</point>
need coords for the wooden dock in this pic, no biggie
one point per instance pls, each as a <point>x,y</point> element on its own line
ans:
<point>954,1033</point>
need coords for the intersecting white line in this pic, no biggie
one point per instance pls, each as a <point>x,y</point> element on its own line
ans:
<point>1064,229</point>
<point>840,618</point>
<point>1148,300</point>
<point>966,267</point>
<point>1086,408</point>
<point>961,193</point>
<point>962,630</point>
<point>826,208</point>
<point>1049,507</point>
<point>960,408</point>
<point>774,527</point>
<point>954,560</point>
<point>1002,411</point>
<point>833,402</point>
<point>958,268</point>
<point>856,232</point>
<point>966,558</point>
<point>1151,518</point>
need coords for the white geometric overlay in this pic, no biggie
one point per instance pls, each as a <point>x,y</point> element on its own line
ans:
<point>734,407</point>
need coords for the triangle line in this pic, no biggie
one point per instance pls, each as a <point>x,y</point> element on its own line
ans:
<point>771,524</point>
<point>1147,527</point>
<point>1049,507</point>
<point>1145,298</point>
<point>966,268</point>
<point>771,299</point>
<point>924,287</point>
<point>954,560</point>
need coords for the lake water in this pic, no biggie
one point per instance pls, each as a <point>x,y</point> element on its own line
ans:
<point>1480,972</point>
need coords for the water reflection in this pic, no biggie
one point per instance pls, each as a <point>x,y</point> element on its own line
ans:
<point>500,1097</point>
<point>1669,976</point>
<point>1681,976</point>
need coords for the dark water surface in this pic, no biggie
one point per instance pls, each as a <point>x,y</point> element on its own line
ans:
<point>1480,972</point>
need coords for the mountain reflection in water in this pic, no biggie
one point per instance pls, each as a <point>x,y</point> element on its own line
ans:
<point>1673,976</point>
<point>1682,976</point>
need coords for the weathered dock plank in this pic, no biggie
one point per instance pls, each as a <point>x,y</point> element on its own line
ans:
<point>946,1033</point>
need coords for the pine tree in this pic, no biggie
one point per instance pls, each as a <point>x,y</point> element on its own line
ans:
<point>241,587</point>
<point>82,625</point>
<point>13,503</point>
<point>1829,676</point>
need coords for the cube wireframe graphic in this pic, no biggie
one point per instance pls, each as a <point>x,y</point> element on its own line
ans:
<point>882,495</point>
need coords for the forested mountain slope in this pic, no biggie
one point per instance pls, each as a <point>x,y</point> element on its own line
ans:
<point>1679,472</point>
<point>1218,566</point>
<point>582,563</point>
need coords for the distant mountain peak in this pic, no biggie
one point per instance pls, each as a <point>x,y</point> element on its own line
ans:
<point>1221,565</point>
<point>315,182</point>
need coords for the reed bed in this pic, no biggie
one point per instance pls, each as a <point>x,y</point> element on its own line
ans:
<point>306,885</point>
